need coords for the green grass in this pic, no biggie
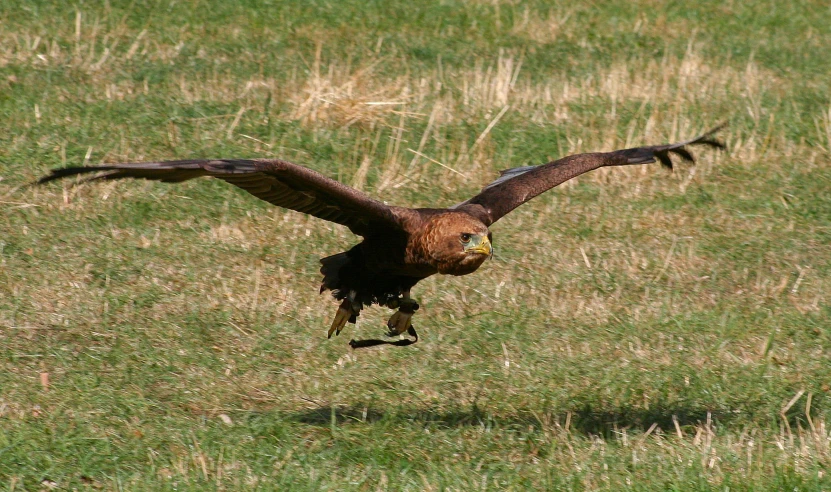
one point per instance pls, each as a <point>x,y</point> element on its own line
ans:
<point>637,329</point>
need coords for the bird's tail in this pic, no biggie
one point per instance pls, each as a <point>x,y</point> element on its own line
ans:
<point>330,268</point>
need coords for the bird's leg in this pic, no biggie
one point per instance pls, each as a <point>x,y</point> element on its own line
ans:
<point>347,311</point>
<point>401,320</point>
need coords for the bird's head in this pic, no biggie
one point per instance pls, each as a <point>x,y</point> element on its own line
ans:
<point>458,243</point>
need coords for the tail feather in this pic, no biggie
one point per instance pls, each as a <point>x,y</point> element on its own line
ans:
<point>330,268</point>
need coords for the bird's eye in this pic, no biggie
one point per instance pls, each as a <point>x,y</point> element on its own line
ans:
<point>465,237</point>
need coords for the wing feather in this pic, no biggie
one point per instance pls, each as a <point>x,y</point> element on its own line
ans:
<point>516,186</point>
<point>278,182</point>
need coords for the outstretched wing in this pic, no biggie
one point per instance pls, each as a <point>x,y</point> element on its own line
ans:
<point>516,186</point>
<point>279,182</point>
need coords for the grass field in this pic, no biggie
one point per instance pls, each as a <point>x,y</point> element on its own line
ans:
<point>637,329</point>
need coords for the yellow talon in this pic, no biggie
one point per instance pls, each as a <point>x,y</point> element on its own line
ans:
<point>345,312</point>
<point>399,323</point>
<point>339,322</point>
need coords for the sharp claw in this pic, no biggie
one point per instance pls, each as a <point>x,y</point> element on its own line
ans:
<point>341,317</point>
<point>347,312</point>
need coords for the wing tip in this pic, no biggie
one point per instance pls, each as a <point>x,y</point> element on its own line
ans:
<point>66,172</point>
<point>663,153</point>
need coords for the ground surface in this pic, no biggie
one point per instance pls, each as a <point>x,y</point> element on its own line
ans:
<point>637,329</point>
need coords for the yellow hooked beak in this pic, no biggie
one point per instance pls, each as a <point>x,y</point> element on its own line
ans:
<point>480,245</point>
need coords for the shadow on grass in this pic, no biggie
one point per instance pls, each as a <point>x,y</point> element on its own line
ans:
<point>585,420</point>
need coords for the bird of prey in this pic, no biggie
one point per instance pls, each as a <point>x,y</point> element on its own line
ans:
<point>400,246</point>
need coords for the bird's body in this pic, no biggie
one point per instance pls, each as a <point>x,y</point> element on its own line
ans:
<point>382,266</point>
<point>401,246</point>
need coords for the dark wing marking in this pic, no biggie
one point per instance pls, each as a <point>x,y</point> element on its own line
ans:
<point>279,182</point>
<point>516,186</point>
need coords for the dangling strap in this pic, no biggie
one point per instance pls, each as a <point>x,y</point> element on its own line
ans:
<point>356,344</point>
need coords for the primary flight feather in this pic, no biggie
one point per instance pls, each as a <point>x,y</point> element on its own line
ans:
<point>401,246</point>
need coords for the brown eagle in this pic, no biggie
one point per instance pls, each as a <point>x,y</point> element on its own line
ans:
<point>400,246</point>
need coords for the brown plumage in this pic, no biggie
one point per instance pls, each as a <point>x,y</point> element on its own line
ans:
<point>400,246</point>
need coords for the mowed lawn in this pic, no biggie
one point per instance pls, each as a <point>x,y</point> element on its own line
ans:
<point>637,328</point>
